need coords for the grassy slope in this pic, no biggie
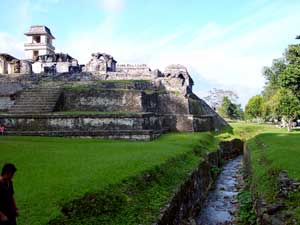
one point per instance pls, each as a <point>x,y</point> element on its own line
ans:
<point>273,150</point>
<point>52,171</point>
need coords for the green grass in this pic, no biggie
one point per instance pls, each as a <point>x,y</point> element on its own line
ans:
<point>54,171</point>
<point>135,201</point>
<point>272,150</point>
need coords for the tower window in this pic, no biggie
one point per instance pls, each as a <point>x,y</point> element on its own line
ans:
<point>35,55</point>
<point>36,39</point>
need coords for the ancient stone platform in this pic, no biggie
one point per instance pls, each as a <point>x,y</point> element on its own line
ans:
<point>85,105</point>
<point>138,126</point>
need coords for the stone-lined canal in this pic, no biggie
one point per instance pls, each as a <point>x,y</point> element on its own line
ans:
<point>221,204</point>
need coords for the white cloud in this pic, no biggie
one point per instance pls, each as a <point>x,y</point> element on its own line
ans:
<point>112,5</point>
<point>10,45</point>
<point>233,59</point>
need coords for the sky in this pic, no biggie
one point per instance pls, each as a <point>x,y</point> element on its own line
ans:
<point>224,44</point>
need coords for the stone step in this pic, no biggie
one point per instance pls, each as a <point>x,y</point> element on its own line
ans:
<point>37,97</point>
<point>41,92</point>
<point>22,112</point>
<point>43,89</point>
<point>35,103</point>
<point>107,134</point>
<point>36,100</point>
<point>42,96</point>
<point>31,109</point>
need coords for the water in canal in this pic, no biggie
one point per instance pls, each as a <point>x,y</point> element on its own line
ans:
<point>221,204</point>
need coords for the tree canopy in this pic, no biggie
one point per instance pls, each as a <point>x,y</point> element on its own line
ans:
<point>255,107</point>
<point>281,95</point>
<point>230,110</point>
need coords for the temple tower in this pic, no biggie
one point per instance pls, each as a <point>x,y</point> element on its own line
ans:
<point>39,42</point>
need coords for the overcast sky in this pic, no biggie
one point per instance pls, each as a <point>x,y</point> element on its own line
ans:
<point>223,43</point>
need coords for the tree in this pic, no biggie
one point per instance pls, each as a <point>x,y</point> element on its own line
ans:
<point>290,78</point>
<point>255,107</point>
<point>216,96</point>
<point>230,110</point>
<point>286,105</point>
<point>282,90</point>
<point>271,75</point>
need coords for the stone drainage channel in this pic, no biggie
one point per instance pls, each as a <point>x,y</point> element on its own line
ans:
<point>221,204</point>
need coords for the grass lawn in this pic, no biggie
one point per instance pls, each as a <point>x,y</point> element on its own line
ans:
<point>53,171</point>
<point>273,150</point>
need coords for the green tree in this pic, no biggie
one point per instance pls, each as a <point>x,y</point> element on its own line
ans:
<point>255,107</point>
<point>282,88</point>
<point>285,105</point>
<point>271,75</point>
<point>230,110</point>
<point>290,78</point>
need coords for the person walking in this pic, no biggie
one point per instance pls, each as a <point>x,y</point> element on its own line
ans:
<point>8,208</point>
<point>2,129</point>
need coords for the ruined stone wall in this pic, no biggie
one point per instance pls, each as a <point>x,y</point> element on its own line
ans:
<point>103,100</point>
<point>122,76</point>
<point>133,68</point>
<point>129,85</point>
<point>9,92</point>
<point>60,122</point>
<point>172,103</point>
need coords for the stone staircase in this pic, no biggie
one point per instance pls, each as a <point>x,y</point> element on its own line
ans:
<point>36,101</point>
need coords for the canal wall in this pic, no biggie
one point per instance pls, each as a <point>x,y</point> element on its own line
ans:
<point>190,197</point>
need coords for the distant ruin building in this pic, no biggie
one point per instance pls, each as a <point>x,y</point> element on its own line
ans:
<point>133,68</point>
<point>39,42</point>
<point>177,78</point>
<point>109,100</point>
<point>13,66</point>
<point>101,62</point>
<point>55,63</point>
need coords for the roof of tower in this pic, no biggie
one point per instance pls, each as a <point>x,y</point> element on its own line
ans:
<point>39,29</point>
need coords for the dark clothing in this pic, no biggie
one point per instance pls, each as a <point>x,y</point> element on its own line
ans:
<point>7,205</point>
<point>10,222</point>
